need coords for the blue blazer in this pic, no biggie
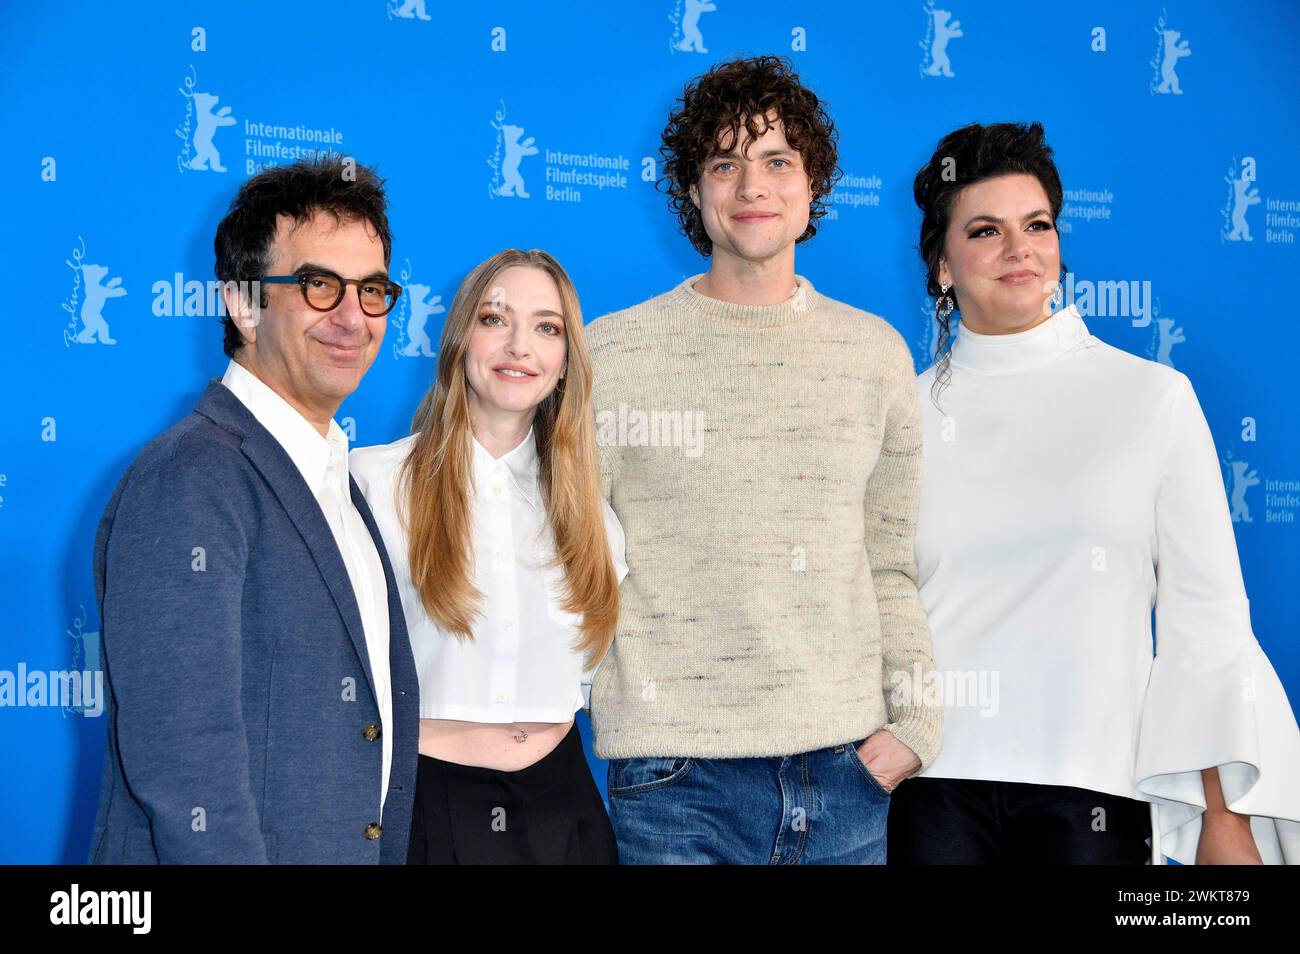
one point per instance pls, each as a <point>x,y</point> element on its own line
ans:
<point>243,725</point>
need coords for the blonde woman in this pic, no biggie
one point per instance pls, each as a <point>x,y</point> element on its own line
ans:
<point>508,561</point>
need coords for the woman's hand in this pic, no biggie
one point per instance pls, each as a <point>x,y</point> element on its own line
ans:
<point>1225,835</point>
<point>888,759</point>
<point>1226,840</point>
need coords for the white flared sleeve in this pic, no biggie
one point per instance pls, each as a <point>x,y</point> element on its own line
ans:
<point>617,553</point>
<point>1213,698</point>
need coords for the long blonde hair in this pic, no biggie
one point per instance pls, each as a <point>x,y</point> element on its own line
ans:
<point>436,478</point>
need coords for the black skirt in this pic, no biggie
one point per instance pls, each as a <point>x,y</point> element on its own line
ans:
<point>549,812</point>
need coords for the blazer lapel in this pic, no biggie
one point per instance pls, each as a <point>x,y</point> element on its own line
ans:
<point>278,470</point>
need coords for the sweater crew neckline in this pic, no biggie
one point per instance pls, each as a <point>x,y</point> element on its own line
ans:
<point>794,309</point>
<point>1024,349</point>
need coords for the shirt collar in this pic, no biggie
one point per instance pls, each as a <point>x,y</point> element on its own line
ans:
<point>519,464</point>
<point>316,457</point>
<point>1024,349</point>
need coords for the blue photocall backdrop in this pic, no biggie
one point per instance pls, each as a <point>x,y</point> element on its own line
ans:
<point>128,128</point>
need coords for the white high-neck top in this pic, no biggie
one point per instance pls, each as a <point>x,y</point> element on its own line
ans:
<point>1069,488</point>
<point>521,665</point>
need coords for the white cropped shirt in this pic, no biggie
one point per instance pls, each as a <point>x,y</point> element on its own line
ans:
<point>521,665</point>
<point>1069,489</point>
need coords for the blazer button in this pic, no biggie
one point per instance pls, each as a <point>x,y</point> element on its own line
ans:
<point>373,831</point>
<point>371,733</point>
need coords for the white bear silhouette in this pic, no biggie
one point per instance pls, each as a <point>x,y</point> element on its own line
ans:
<point>692,40</point>
<point>1168,337</point>
<point>515,151</point>
<point>1174,51</point>
<point>204,150</point>
<point>1241,482</point>
<point>93,324</point>
<point>943,32</point>
<point>1243,197</point>
<point>410,10</point>
<point>417,337</point>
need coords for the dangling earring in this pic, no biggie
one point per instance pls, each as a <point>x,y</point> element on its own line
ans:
<point>559,386</point>
<point>1058,296</point>
<point>945,304</point>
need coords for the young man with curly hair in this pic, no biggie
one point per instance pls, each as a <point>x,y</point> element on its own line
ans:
<point>757,704</point>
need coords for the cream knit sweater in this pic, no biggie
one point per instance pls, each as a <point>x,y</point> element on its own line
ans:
<point>764,461</point>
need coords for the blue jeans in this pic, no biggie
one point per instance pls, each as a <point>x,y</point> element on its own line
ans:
<point>820,807</point>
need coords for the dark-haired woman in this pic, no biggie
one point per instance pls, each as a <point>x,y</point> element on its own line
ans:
<point>1068,489</point>
<point>508,561</point>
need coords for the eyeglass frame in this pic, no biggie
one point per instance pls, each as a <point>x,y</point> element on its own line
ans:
<point>302,277</point>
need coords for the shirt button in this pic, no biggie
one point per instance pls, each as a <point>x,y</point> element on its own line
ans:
<point>507,625</point>
<point>371,733</point>
<point>373,831</point>
<point>496,490</point>
<point>500,554</point>
<point>501,697</point>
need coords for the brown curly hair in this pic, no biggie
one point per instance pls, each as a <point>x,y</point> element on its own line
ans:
<point>745,90</point>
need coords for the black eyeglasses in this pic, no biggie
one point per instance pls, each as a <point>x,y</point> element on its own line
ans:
<point>324,290</point>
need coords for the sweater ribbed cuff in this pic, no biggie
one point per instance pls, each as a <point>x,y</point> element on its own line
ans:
<point>920,728</point>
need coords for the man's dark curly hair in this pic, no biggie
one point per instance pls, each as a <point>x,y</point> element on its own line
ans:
<point>724,97</point>
<point>326,183</point>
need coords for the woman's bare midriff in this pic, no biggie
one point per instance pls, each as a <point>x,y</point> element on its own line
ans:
<point>490,745</point>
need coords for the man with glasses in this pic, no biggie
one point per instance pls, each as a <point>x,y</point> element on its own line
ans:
<point>263,702</point>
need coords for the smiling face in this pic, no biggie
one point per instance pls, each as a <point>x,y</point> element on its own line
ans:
<point>516,349</point>
<point>1002,254</point>
<point>754,198</point>
<point>315,359</point>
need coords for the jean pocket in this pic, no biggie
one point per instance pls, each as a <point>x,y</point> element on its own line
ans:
<point>638,775</point>
<point>851,752</point>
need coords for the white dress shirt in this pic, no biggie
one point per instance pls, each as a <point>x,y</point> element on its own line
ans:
<point>322,461</point>
<point>1068,489</point>
<point>521,665</point>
